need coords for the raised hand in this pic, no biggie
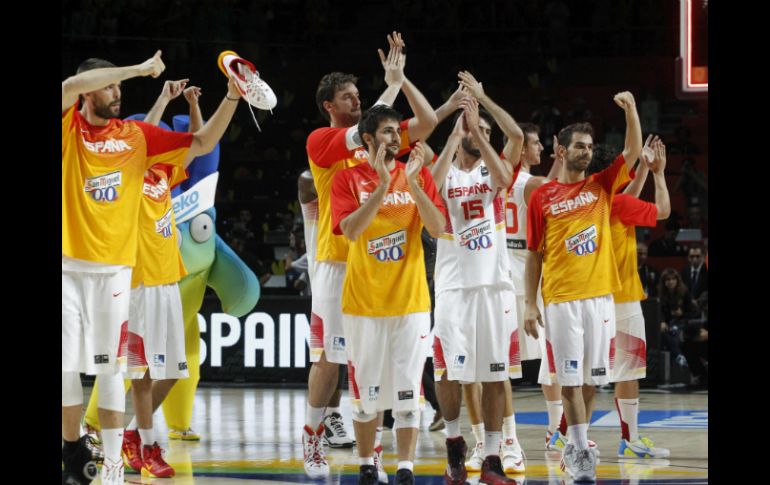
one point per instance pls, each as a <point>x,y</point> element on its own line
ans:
<point>192,94</point>
<point>659,162</point>
<point>625,100</point>
<point>648,154</point>
<point>394,63</point>
<point>381,167</point>
<point>414,165</point>
<point>470,83</point>
<point>153,66</point>
<point>172,89</point>
<point>470,106</point>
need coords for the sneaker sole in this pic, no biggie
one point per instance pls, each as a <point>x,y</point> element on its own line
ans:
<point>337,445</point>
<point>221,61</point>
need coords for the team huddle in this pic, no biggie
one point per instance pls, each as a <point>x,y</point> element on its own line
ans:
<point>527,267</point>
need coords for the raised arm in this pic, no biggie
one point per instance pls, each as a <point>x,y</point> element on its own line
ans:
<point>662,200</point>
<point>171,89</point>
<point>431,215</point>
<point>206,138</point>
<point>440,169</point>
<point>512,149</point>
<point>95,79</point>
<point>451,105</point>
<point>634,188</point>
<point>633,146</point>
<point>501,172</point>
<point>192,95</point>
<point>533,268</point>
<point>558,162</point>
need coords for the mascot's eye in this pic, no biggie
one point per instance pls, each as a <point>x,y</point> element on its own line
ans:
<point>202,228</point>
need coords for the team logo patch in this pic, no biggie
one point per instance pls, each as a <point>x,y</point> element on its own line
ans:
<point>338,343</point>
<point>104,188</point>
<point>570,366</point>
<point>477,237</point>
<point>498,367</point>
<point>155,186</point>
<point>601,371</point>
<point>405,395</point>
<point>516,244</point>
<point>183,366</point>
<point>101,359</point>
<point>163,225</point>
<point>459,361</point>
<point>388,248</point>
<point>159,359</point>
<point>374,392</point>
<point>359,154</point>
<point>583,242</point>
<point>484,170</point>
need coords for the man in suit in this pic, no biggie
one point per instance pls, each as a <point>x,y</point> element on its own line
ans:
<point>695,275</point>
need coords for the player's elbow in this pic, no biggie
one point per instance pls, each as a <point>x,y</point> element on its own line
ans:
<point>663,211</point>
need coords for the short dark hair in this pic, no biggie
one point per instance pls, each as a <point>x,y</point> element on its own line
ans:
<point>371,119</point>
<point>93,63</point>
<point>565,135</point>
<point>603,157</point>
<point>329,85</point>
<point>482,114</point>
<point>527,128</point>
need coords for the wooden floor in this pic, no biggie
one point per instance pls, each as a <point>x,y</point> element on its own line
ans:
<point>252,436</point>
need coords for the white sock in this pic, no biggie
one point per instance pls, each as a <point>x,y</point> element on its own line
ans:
<point>369,460</point>
<point>478,431</point>
<point>146,435</point>
<point>313,417</point>
<point>629,413</point>
<point>492,442</point>
<point>555,409</point>
<point>112,440</point>
<point>509,428</point>
<point>578,435</point>
<point>452,427</point>
<point>132,426</point>
<point>409,465</point>
<point>330,411</point>
<point>378,437</point>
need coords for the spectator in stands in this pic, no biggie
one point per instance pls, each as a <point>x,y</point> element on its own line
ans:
<point>695,276</point>
<point>676,308</point>
<point>647,274</point>
<point>296,263</point>
<point>695,346</point>
<point>244,226</point>
<point>667,245</point>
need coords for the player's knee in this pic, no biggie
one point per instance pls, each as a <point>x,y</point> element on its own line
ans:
<point>406,419</point>
<point>363,417</point>
<point>71,389</point>
<point>112,393</point>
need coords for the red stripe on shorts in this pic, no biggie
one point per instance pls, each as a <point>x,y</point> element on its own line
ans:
<point>549,352</point>
<point>352,381</point>
<point>514,353</point>
<point>438,355</point>
<point>316,331</point>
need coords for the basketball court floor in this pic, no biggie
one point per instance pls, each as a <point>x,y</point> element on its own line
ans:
<point>252,436</point>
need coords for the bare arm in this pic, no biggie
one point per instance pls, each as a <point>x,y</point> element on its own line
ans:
<point>431,215</point>
<point>394,65</point>
<point>427,158</point>
<point>205,139</point>
<point>533,268</point>
<point>500,172</point>
<point>94,79</point>
<point>531,185</point>
<point>306,187</point>
<point>440,169</point>
<point>192,95</point>
<point>662,200</point>
<point>425,120</point>
<point>512,149</point>
<point>171,89</point>
<point>356,223</point>
<point>634,188</point>
<point>633,147</point>
<point>451,105</point>
<point>558,163</point>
